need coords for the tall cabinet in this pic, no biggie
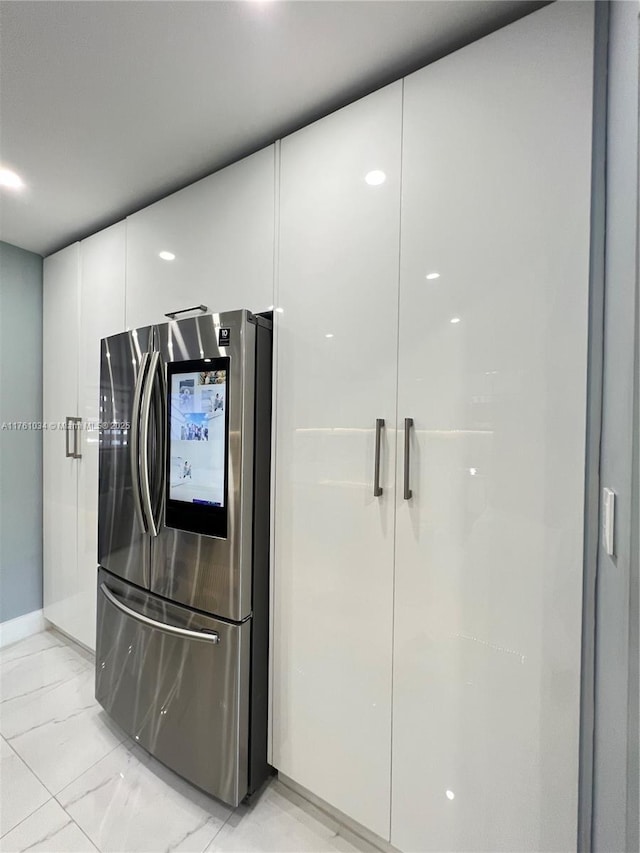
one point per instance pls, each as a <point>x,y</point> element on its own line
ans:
<point>83,302</point>
<point>61,317</point>
<point>427,640</point>
<point>492,370</point>
<point>336,375</point>
<point>211,243</point>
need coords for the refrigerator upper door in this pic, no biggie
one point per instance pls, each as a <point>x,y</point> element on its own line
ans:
<point>123,541</point>
<point>208,570</point>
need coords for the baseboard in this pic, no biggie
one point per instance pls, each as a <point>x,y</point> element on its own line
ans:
<point>86,652</point>
<point>22,626</point>
<point>359,836</point>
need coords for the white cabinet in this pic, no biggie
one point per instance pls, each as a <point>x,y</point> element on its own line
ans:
<point>484,559</point>
<point>492,369</point>
<point>220,231</point>
<point>102,292</point>
<point>336,374</point>
<point>83,302</point>
<point>61,310</point>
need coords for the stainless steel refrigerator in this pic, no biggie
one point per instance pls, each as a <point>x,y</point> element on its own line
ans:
<point>183,545</point>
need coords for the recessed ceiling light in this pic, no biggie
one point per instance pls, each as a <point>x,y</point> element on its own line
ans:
<point>329,335</point>
<point>455,320</point>
<point>10,180</point>
<point>450,795</point>
<point>473,471</point>
<point>430,276</point>
<point>167,256</point>
<point>280,310</point>
<point>375,178</point>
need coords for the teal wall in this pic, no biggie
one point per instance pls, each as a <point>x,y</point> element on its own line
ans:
<point>21,379</point>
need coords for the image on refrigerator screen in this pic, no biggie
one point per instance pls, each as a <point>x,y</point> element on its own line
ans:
<point>197,433</point>
<point>186,395</point>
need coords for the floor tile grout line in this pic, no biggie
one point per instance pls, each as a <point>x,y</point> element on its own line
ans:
<point>71,819</point>
<point>75,822</point>
<point>55,794</point>
<point>26,817</point>
<point>33,811</point>
<point>52,795</point>
<point>86,770</point>
<point>216,834</point>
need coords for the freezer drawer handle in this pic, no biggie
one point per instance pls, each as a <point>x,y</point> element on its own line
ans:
<point>173,314</point>
<point>206,637</point>
<point>377,488</point>
<point>408,423</point>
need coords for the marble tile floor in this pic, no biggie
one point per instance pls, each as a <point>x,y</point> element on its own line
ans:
<point>71,781</point>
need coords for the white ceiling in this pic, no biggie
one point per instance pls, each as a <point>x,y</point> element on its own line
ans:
<point>108,106</point>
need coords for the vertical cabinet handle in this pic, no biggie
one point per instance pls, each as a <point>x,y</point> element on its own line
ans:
<point>71,425</point>
<point>377,488</point>
<point>408,423</point>
<point>68,453</point>
<point>76,438</point>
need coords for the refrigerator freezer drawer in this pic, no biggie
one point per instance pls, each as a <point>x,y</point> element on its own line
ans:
<point>178,683</point>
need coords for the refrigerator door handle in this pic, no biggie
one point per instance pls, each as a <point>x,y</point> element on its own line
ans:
<point>159,407</point>
<point>206,636</point>
<point>408,423</point>
<point>135,443</point>
<point>145,418</point>
<point>377,488</point>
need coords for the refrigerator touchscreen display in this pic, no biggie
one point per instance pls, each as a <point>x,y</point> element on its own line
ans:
<point>198,404</point>
<point>198,442</point>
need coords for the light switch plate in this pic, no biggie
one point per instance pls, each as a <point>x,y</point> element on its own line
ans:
<point>608,520</point>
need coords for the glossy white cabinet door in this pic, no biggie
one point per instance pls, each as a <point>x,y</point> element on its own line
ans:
<point>60,400</point>
<point>336,373</point>
<point>102,293</point>
<point>221,232</point>
<point>492,368</point>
